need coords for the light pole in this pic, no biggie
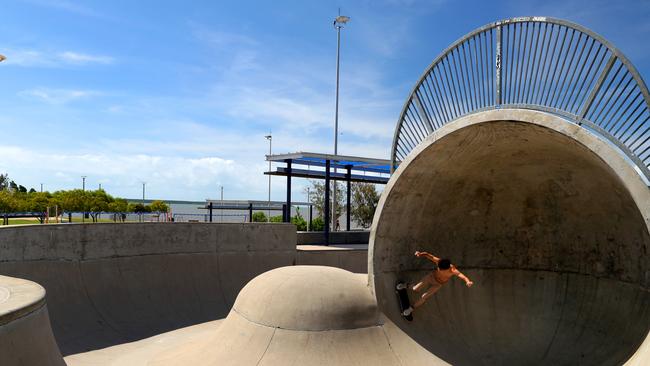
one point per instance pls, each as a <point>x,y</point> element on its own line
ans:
<point>221,211</point>
<point>83,188</point>
<point>142,213</point>
<point>270,138</point>
<point>309,200</point>
<point>339,23</point>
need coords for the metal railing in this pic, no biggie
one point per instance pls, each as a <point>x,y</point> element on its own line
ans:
<point>537,63</point>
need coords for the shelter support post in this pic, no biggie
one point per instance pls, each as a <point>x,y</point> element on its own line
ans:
<point>287,217</point>
<point>348,181</point>
<point>250,212</point>
<point>210,210</point>
<point>326,219</point>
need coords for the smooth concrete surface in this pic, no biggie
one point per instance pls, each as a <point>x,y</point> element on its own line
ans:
<point>109,284</point>
<point>139,353</point>
<point>336,237</point>
<point>550,222</point>
<point>25,334</point>
<point>303,315</point>
<point>351,257</point>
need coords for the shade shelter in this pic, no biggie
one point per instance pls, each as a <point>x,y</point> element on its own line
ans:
<point>329,167</point>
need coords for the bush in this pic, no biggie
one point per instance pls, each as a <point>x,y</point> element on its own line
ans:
<point>277,218</point>
<point>317,224</point>
<point>299,221</point>
<point>259,217</point>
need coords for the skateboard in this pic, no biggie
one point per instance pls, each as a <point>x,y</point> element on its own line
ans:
<point>403,299</point>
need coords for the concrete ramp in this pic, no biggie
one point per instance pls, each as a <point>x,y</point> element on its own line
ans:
<point>109,284</point>
<point>303,315</point>
<point>25,334</point>
<point>548,219</point>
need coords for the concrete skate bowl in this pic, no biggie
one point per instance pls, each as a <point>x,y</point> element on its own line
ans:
<point>311,315</point>
<point>109,284</point>
<point>545,207</point>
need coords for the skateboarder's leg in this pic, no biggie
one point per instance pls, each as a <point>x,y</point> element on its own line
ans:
<point>432,290</point>
<point>425,280</point>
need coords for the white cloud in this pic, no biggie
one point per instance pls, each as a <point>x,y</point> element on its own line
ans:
<point>42,58</point>
<point>57,96</point>
<point>73,7</point>
<point>82,58</point>
<point>221,38</point>
<point>167,176</point>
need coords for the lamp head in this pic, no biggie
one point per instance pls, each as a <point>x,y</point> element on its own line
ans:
<point>341,20</point>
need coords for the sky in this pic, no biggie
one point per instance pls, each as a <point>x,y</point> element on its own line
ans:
<point>180,94</point>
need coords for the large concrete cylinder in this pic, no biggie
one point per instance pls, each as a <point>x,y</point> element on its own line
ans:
<point>549,221</point>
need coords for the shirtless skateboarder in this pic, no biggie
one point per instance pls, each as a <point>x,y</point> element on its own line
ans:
<point>436,279</point>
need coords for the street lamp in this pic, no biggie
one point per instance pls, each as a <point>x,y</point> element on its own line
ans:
<point>339,23</point>
<point>270,138</point>
<point>221,211</point>
<point>83,188</point>
<point>309,200</point>
<point>142,213</point>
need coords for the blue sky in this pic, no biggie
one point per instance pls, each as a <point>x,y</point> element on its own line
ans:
<point>180,94</point>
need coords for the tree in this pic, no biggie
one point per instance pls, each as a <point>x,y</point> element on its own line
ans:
<point>317,197</point>
<point>8,202</point>
<point>38,201</point>
<point>158,206</point>
<point>364,203</point>
<point>70,201</point>
<point>259,216</point>
<point>138,208</point>
<point>4,182</point>
<point>97,202</point>
<point>119,206</point>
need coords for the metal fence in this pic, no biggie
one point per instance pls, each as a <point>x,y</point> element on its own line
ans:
<point>68,217</point>
<point>533,63</point>
<point>181,217</point>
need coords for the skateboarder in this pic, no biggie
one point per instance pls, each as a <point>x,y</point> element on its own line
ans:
<point>436,279</point>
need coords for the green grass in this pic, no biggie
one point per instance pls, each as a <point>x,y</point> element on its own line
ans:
<point>22,221</point>
<point>88,220</point>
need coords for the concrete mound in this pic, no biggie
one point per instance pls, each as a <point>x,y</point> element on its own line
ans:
<point>303,315</point>
<point>310,298</point>
<point>551,223</point>
<point>25,334</point>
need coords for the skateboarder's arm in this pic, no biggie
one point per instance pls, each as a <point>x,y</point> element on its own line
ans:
<point>428,256</point>
<point>460,275</point>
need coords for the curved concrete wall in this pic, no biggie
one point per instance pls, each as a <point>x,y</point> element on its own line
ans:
<point>548,220</point>
<point>114,283</point>
<point>25,334</point>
